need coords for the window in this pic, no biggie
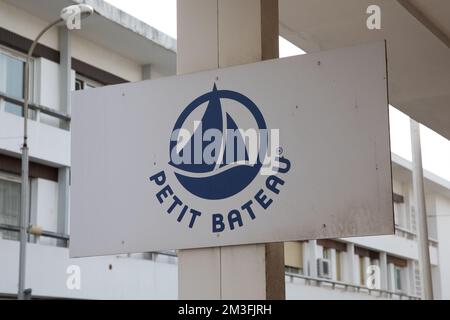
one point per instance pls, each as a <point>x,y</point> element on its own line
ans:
<point>79,84</point>
<point>9,206</point>
<point>12,81</point>
<point>83,83</point>
<point>333,251</point>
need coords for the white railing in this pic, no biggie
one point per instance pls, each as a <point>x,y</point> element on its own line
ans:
<point>408,234</point>
<point>36,108</point>
<point>339,285</point>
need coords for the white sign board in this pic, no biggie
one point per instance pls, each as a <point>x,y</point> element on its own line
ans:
<point>289,149</point>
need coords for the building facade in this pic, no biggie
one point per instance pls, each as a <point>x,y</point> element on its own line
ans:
<point>113,47</point>
<point>352,264</point>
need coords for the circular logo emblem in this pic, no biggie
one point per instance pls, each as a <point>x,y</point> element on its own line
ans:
<point>217,144</point>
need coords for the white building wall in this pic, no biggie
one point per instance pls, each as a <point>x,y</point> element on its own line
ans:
<point>101,277</point>
<point>26,24</point>
<point>296,289</point>
<point>105,59</point>
<point>47,143</point>
<point>442,217</point>
<point>395,245</point>
<point>145,279</point>
<point>47,208</point>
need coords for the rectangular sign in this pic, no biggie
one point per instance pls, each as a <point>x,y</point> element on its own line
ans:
<point>288,149</point>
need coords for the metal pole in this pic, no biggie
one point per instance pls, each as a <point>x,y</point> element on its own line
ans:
<point>25,189</point>
<point>421,213</point>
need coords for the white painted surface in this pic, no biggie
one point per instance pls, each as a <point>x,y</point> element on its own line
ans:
<point>443,227</point>
<point>419,64</point>
<point>396,245</point>
<point>296,289</point>
<point>47,208</point>
<point>47,143</point>
<point>47,89</point>
<point>349,196</point>
<point>28,25</point>
<point>105,59</point>
<point>47,275</point>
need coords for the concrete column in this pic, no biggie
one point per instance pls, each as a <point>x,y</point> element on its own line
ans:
<point>391,277</point>
<point>409,278</point>
<point>333,264</point>
<point>365,268</point>
<point>65,88</point>
<point>383,271</point>
<point>65,72</point>
<point>312,255</point>
<point>350,263</point>
<point>305,258</point>
<point>214,34</point>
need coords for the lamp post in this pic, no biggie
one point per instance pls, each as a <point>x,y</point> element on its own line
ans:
<point>80,11</point>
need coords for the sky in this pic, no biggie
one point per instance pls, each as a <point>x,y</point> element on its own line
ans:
<point>161,14</point>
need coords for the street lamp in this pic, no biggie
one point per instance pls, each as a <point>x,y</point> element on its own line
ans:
<point>67,15</point>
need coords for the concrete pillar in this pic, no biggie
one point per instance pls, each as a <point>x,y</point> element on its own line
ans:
<point>65,88</point>
<point>312,258</point>
<point>215,34</point>
<point>65,72</point>
<point>305,258</point>
<point>350,263</point>
<point>383,271</point>
<point>391,277</point>
<point>409,279</point>
<point>333,264</point>
<point>366,264</point>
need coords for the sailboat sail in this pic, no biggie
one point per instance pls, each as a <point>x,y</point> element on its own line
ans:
<point>213,119</point>
<point>239,150</point>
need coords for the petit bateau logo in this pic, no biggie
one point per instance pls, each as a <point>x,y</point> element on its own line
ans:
<point>220,143</point>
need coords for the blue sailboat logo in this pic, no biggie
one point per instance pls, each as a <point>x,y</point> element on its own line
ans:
<point>228,169</point>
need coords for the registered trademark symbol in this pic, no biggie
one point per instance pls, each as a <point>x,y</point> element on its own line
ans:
<point>279,150</point>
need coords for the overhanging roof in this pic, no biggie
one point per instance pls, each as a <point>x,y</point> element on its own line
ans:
<point>417,34</point>
<point>402,170</point>
<point>115,30</point>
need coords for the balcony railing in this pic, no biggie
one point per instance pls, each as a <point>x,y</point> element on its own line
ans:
<point>408,234</point>
<point>44,233</point>
<point>320,282</point>
<point>349,287</point>
<point>37,108</point>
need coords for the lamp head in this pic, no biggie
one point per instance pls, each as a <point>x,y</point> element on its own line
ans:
<point>73,12</point>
